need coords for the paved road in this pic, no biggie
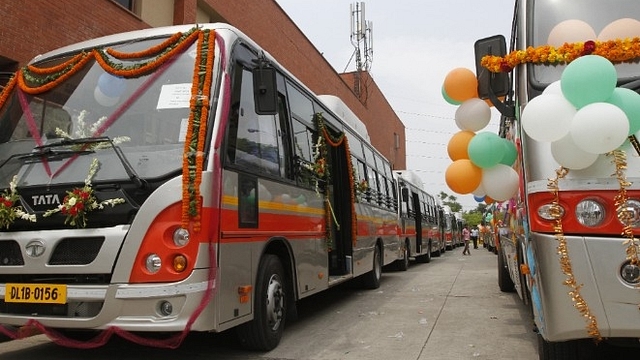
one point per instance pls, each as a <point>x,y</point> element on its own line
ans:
<point>450,308</point>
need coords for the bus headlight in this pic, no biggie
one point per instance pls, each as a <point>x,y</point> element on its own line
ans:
<point>590,213</point>
<point>181,237</point>
<point>629,213</point>
<point>551,212</point>
<point>630,273</point>
<point>153,263</point>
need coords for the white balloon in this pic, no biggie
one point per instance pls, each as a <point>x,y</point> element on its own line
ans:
<point>599,127</point>
<point>479,191</point>
<point>473,115</point>
<point>620,29</point>
<point>570,31</point>
<point>553,88</point>
<point>500,182</point>
<point>103,99</point>
<point>569,155</point>
<point>548,117</point>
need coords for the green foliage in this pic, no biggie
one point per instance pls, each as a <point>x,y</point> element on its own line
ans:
<point>450,201</point>
<point>472,218</point>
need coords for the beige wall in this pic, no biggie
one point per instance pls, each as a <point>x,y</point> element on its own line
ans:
<point>156,12</point>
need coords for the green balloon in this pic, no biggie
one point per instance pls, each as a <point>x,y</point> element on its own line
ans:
<point>629,101</point>
<point>588,79</point>
<point>510,153</point>
<point>486,149</point>
<point>449,99</point>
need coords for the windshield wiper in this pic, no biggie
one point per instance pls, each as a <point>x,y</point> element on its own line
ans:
<point>48,153</point>
<point>86,147</point>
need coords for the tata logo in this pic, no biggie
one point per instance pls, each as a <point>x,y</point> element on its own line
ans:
<point>35,248</point>
<point>47,199</point>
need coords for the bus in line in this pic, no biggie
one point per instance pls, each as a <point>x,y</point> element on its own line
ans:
<point>420,231</point>
<point>569,242</point>
<point>179,179</point>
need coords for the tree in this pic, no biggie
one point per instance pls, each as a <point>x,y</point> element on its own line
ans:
<point>450,201</point>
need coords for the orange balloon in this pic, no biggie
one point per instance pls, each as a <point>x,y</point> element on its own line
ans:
<point>461,84</point>
<point>488,200</point>
<point>462,176</point>
<point>457,147</point>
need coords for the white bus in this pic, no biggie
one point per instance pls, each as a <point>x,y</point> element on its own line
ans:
<point>569,244</point>
<point>179,179</point>
<point>419,220</point>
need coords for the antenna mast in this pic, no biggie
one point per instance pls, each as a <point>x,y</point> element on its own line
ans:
<point>362,41</point>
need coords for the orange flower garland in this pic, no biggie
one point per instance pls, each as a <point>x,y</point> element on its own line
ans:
<point>58,68</point>
<point>152,51</point>
<point>4,95</point>
<point>196,131</point>
<point>54,79</point>
<point>616,51</point>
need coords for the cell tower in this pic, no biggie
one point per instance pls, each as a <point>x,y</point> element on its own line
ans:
<point>362,40</point>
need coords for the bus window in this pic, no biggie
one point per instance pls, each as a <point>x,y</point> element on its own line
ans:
<point>301,106</point>
<point>256,142</point>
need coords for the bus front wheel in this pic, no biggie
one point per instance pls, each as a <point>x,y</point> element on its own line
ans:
<point>371,280</point>
<point>265,330</point>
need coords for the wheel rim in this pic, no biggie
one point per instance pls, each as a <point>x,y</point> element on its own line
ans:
<point>275,302</point>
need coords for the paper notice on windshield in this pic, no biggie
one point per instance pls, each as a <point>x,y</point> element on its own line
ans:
<point>174,96</point>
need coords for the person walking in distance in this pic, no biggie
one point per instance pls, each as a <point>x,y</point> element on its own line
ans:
<point>474,237</point>
<point>466,235</point>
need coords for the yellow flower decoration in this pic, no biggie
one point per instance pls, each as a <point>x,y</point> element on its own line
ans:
<point>616,51</point>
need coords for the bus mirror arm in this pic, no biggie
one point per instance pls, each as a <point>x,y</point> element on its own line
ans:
<point>504,108</point>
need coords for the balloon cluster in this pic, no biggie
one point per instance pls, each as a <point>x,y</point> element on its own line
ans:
<point>482,161</point>
<point>583,114</point>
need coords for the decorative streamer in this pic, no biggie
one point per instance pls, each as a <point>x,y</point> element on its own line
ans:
<point>565,261</point>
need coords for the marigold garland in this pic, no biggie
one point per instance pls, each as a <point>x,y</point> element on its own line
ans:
<point>616,51</point>
<point>4,95</point>
<point>152,51</point>
<point>193,159</point>
<point>565,261</point>
<point>625,217</point>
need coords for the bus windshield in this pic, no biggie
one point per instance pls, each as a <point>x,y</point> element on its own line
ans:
<point>145,116</point>
<point>555,22</point>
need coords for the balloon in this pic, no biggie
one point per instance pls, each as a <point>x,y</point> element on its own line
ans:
<point>488,201</point>
<point>457,147</point>
<point>448,99</point>
<point>103,99</point>
<point>486,149</point>
<point>547,117</point>
<point>501,182</point>
<point>461,84</point>
<point>620,29</point>
<point>510,153</point>
<point>599,128</point>
<point>553,88</point>
<point>473,114</point>
<point>570,31</point>
<point>479,191</point>
<point>629,101</point>
<point>588,79</point>
<point>478,198</point>
<point>462,176</point>
<point>111,86</point>
<point>569,155</point>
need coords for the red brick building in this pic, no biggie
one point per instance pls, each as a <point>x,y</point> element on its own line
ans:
<point>35,26</point>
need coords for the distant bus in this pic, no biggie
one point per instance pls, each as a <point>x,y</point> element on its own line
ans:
<point>179,179</point>
<point>419,229</point>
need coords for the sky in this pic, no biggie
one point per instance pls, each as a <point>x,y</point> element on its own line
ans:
<point>415,43</point>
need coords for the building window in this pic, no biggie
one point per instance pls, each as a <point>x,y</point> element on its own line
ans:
<point>127,4</point>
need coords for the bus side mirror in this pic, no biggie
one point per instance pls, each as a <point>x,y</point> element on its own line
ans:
<point>492,85</point>
<point>265,90</point>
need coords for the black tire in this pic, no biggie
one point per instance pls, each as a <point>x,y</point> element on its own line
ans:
<point>426,258</point>
<point>403,264</point>
<point>504,280</point>
<point>371,280</point>
<point>565,350</point>
<point>264,332</point>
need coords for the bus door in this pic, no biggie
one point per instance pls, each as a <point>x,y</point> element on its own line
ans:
<point>417,213</point>
<point>341,199</point>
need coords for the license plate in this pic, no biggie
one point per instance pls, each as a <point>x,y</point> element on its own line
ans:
<point>35,293</point>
